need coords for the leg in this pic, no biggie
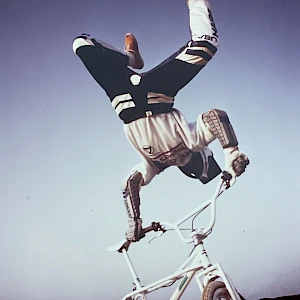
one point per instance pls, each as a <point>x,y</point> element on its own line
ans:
<point>105,63</point>
<point>175,72</point>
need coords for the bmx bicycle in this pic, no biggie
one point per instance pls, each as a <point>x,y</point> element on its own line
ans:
<point>213,282</point>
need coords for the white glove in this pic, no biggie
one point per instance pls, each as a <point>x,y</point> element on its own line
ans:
<point>235,161</point>
<point>135,230</point>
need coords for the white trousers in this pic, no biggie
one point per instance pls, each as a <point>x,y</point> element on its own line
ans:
<point>165,140</point>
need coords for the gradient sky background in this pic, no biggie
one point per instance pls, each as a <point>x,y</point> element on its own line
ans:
<point>63,152</point>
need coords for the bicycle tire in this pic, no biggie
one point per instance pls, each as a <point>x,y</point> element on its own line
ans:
<point>215,290</point>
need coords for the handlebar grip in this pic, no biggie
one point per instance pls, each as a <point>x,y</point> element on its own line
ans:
<point>226,176</point>
<point>155,226</point>
<point>148,229</point>
<point>228,179</point>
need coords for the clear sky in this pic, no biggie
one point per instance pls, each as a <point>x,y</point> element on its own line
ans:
<point>63,153</point>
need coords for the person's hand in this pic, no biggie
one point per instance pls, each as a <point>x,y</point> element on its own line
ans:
<point>135,230</point>
<point>235,161</point>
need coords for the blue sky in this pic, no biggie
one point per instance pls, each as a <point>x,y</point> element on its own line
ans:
<point>63,153</point>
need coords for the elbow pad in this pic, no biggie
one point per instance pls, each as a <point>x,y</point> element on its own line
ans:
<point>218,122</point>
<point>131,195</point>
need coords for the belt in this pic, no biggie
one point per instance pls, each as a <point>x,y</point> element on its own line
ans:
<point>131,114</point>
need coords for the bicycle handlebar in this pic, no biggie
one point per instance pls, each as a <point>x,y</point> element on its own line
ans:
<point>225,182</point>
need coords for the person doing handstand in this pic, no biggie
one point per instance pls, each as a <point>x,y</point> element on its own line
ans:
<point>145,103</point>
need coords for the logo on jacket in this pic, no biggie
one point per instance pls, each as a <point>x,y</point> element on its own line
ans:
<point>148,149</point>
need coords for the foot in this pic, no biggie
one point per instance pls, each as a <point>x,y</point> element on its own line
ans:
<point>132,49</point>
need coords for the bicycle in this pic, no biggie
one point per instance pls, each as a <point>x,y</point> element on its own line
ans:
<point>213,282</point>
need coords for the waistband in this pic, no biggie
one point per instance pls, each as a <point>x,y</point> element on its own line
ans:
<point>131,114</point>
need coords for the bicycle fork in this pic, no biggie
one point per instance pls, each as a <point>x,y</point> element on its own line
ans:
<point>212,272</point>
<point>136,280</point>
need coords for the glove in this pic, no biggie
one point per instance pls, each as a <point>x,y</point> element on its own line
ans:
<point>135,230</point>
<point>235,161</point>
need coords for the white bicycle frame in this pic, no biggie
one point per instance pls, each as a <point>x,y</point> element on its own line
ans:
<point>198,264</point>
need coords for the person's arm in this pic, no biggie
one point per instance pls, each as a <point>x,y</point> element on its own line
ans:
<point>140,175</point>
<point>131,195</point>
<point>218,123</point>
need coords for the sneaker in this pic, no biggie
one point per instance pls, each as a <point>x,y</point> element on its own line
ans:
<point>131,46</point>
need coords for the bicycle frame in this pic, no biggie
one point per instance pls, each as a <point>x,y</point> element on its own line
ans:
<point>198,264</point>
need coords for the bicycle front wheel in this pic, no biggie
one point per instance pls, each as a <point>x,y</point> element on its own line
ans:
<point>215,290</point>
